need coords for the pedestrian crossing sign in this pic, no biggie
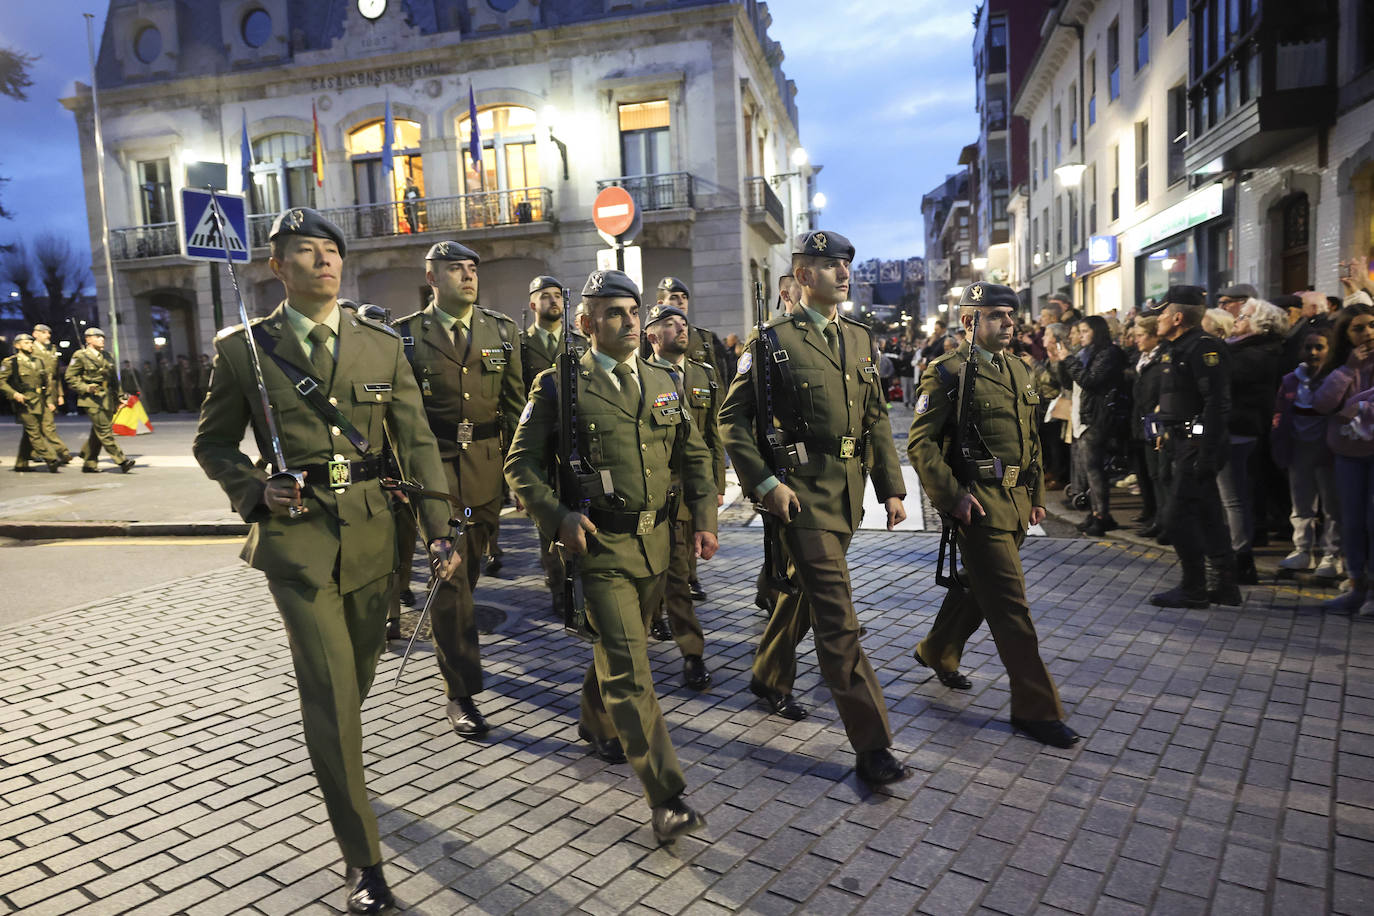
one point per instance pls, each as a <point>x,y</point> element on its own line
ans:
<point>200,236</point>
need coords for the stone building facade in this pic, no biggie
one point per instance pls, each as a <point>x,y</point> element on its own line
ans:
<point>683,103</point>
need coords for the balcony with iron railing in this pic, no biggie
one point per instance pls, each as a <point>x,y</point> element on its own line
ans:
<point>459,214</point>
<point>662,191</point>
<point>766,212</point>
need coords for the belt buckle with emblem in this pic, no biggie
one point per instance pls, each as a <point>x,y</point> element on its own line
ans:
<point>340,473</point>
<point>1012,474</point>
<point>847,444</point>
<point>645,524</point>
<point>464,435</point>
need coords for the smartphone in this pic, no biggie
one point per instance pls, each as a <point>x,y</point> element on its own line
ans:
<point>1347,270</point>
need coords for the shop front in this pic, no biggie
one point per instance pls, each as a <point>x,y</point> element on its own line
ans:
<point>1099,275</point>
<point>1191,243</point>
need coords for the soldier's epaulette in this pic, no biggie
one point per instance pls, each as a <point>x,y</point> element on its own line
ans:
<point>710,369</point>
<point>411,317</point>
<point>492,313</point>
<point>857,323</point>
<point>234,329</point>
<point>645,363</point>
<point>376,325</point>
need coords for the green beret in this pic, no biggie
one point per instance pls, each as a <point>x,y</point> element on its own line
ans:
<point>42,327</point>
<point>609,284</point>
<point>309,223</point>
<point>661,312</point>
<point>20,338</point>
<point>94,332</point>
<point>989,296</point>
<point>452,251</point>
<point>673,285</point>
<point>1185,295</point>
<point>822,244</point>
<point>545,282</point>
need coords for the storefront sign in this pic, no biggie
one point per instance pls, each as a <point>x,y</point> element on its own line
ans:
<point>1102,250</point>
<point>1197,207</point>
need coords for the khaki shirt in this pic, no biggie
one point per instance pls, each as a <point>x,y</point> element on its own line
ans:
<point>91,374</point>
<point>21,373</point>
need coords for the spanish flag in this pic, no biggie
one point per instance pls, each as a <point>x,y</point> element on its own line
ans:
<point>129,417</point>
<point>317,150</point>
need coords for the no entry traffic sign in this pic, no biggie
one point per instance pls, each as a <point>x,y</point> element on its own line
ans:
<point>614,213</point>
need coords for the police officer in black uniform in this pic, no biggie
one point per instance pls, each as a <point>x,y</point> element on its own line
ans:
<point>1194,400</point>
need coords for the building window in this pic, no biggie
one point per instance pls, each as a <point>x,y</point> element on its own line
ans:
<point>148,44</point>
<point>1090,185</point>
<point>1142,33</point>
<point>1178,11</point>
<point>510,159</point>
<point>365,152</point>
<point>1294,242</point>
<point>1092,90</point>
<point>282,176</point>
<point>1044,151</point>
<point>1114,60</point>
<point>1178,132</point>
<point>1073,221</point>
<point>1142,162</point>
<point>1035,237</point>
<point>997,46</point>
<point>1058,224</point>
<point>1058,135</point>
<point>155,191</point>
<point>1035,173</point>
<point>1073,115</point>
<point>997,114</point>
<point>644,138</point>
<point>1116,183</point>
<point>256,28</point>
<point>999,210</point>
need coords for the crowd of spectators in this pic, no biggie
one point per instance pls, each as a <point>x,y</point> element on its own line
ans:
<point>1301,421</point>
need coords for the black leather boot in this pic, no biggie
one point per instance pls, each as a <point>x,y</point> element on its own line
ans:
<point>1221,581</point>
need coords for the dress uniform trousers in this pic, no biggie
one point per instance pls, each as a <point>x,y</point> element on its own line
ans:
<point>1196,519</point>
<point>997,594</point>
<point>33,442</point>
<point>618,698</point>
<point>456,642</point>
<point>336,640</point>
<point>102,434</point>
<point>677,596</point>
<point>48,428</point>
<point>824,604</point>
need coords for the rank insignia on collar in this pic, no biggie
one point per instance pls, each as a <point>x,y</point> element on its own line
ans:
<point>820,241</point>
<point>295,219</point>
<point>975,292</point>
<point>596,281</point>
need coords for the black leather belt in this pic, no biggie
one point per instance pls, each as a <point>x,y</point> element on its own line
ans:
<point>339,474</point>
<point>447,431</point>
<point>627,522</point>
<point>844,447</point>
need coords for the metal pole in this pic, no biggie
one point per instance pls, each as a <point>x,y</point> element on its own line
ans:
<point>100,182</point>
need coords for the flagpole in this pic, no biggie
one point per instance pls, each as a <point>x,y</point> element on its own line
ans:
<point>100,183</point>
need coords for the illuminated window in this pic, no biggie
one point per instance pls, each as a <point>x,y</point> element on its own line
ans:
<point>509,166</point>
<point>644,146</point>
<point>364,145</point>
<point>155,191</point>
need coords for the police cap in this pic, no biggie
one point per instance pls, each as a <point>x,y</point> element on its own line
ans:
<point>1239,291</point>
<point>989,296</point>
<point>20,338</point>
<point>670,285</point>
<point>1153,309</point>
<point>309,223</point>
<point>822,244</point>
<point>94,332</point>
<point>1185,295</point>
<point>609,284</point>
<point>42,327</point>
<point>452,251</point>
<point>662,312</point>
<point>545,282</point>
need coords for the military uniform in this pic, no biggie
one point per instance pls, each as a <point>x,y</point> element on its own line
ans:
<point>631,435</point>
<point>828,398</point>
<point>329,570</point>
<point>26,374</point>
<point>91,374</point>
<point>1006,405</point>
<point>1194,403</point>
<point>538,350</point>
<point>700,393</point>
<point>472,396</point>
<point>48,353</point>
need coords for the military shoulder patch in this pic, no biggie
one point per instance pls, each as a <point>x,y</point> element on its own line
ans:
<point>525,414</point>
<point>745,361</point>
<point>923,403</point>
<point>1212,358</point>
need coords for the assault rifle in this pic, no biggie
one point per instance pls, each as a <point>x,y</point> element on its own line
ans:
<point>961,456</point>
<point>572,468</point>
<point>770,446</point>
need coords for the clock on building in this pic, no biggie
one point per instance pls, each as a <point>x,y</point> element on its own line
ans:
<point>371,9</point>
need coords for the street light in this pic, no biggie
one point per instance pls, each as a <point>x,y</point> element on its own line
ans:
<point>979,264</point>
<point>799,157</point>
<point>1071,173</point>
<point>818,200</point>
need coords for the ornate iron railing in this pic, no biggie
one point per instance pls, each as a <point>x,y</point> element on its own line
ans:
<point>153,241</point>
<point>761,197</point>
<point>663,191</point>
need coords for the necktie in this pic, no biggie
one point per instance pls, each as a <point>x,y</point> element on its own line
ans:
<point>832,337</point>
<point>322,355</point>
<point>460,338</point>
<point>629,391</point>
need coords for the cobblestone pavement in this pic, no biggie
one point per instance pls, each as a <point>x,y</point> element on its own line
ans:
<point>151,760</point>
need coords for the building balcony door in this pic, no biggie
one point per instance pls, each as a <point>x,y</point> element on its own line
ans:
<point>1293,252</point>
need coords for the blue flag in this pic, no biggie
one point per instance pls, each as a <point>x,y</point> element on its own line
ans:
<point>388,140</point>
<point>475,138</point>
<point>246,159</point>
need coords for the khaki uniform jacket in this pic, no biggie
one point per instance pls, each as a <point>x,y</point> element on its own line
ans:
<point>483,385</point>
<point>636,447</point>
<point>351,531</point>
<point>702,394</point>
<point>833,402</point>
<point>90,370</point>
<point>1007,408</point>
<point>48,355</point>
<point>535,357</point>
<point>28,375</point>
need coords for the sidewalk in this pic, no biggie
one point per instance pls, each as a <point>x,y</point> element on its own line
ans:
<point>151,760</point>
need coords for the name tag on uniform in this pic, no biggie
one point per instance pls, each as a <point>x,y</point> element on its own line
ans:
<point>493,357</point>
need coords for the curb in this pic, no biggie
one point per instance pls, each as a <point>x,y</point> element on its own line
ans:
<point>52,530</point>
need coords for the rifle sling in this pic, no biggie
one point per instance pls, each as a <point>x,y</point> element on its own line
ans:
<point>308,387</point>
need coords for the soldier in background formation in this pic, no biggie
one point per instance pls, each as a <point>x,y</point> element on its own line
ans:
<point>24,379</point>
<point>91,374</point>
<point>468,371</point>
